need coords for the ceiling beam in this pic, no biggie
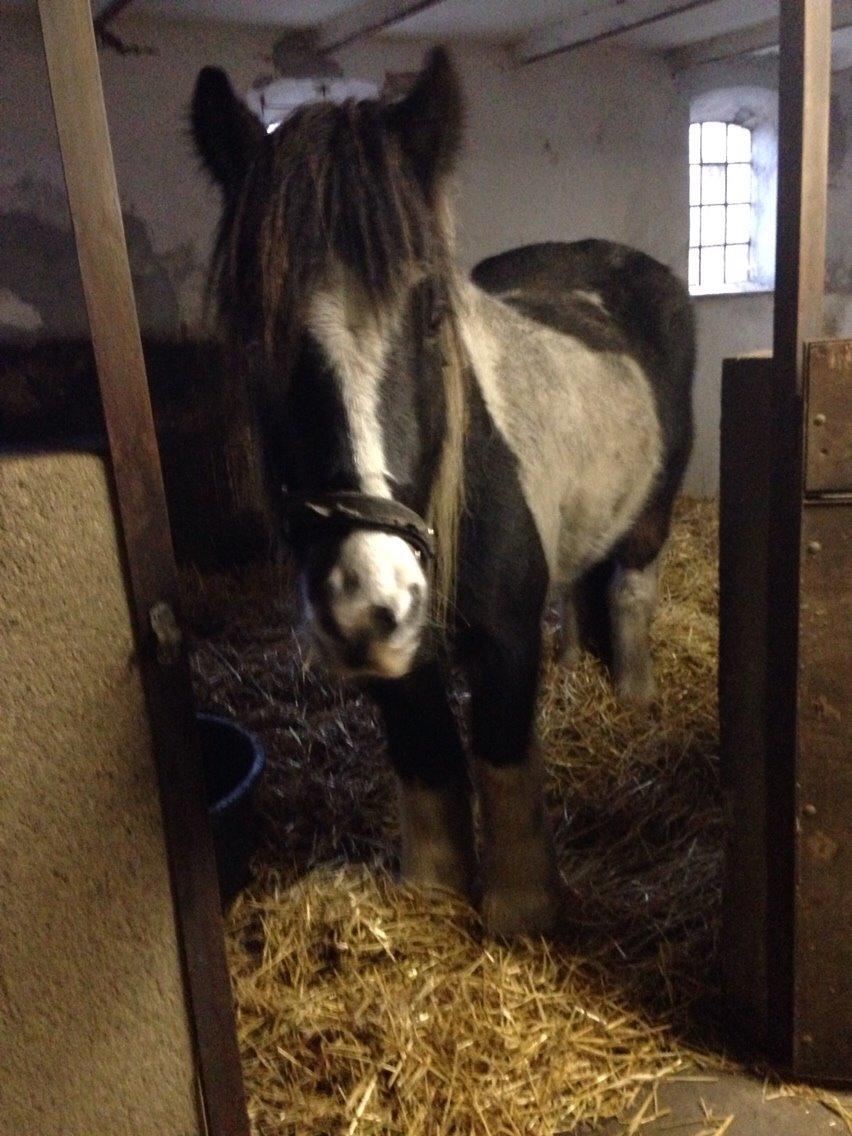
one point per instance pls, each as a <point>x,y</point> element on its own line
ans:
<point>105,10</point>
<point>598,25</point>
<point>365,18</point>
<point>746,41</point>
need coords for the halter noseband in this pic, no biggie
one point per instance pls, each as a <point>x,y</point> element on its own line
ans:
<point>349,509</point>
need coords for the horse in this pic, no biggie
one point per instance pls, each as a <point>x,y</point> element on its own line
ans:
<point>445,452</point>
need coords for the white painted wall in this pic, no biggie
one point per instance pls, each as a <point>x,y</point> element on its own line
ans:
<point>588,144</point>
<point>554,151</point>
<point>737,325</point>
<point>591,143</point>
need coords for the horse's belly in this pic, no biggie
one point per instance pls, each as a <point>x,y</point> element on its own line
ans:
<point>589,527</point>
<point>604,493</point>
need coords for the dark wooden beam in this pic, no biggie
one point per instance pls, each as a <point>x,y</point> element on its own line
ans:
<point>75,84</point>
<point>104,12</point>
<point>746,41</point>
<point>598,25</point>
<point>366,18</point>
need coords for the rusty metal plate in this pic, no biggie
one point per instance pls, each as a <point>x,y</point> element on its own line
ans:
<point>822,1044</point>
<point>828,424</point>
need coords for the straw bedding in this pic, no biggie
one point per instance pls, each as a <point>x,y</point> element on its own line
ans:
<point>366,1008</point>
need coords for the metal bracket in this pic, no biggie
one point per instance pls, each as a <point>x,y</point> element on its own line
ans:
<point>167,633</point>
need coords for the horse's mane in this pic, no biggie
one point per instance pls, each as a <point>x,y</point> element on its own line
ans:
<point>333,187</point>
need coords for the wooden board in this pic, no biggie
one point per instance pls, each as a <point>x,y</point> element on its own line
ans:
<point>822,994</point>
<point>828,429</point>
<point>93,1012</point>
<point>750,909</point>
<point>803,114</point>
<point>771,908</point>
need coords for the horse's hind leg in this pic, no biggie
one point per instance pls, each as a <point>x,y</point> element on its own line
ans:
<point>434,786</point>
<point>632,603</point>
<point>632,599</point>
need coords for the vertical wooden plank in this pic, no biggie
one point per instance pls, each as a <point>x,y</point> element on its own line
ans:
<point>802,181</point>
<point>745,478</point>
<point>803,104</point>
<point>95,213</point>
<point>822,1040</point>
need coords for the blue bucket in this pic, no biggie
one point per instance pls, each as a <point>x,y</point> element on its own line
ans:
<point>232,760</point>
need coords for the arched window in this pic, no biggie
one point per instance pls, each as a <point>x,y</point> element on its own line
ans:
<point>733,159</point>
<point>720,204</point>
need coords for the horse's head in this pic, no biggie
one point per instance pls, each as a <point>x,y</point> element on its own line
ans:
<point>331,272</point>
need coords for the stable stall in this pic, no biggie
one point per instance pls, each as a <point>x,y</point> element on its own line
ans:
<point>330,999</point>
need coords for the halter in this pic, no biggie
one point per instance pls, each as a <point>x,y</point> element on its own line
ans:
<point>347,510</point>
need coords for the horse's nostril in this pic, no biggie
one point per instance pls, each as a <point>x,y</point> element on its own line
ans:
<point>384,619</point>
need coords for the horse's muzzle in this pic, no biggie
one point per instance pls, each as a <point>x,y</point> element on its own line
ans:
<point>367,616</point>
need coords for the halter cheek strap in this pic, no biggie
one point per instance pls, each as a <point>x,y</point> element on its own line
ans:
<point>348,510</point>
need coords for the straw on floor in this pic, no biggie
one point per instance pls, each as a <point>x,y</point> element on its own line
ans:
<point>365,1007</point>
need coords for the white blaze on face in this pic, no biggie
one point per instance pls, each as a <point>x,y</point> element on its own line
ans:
<point>377,588</point>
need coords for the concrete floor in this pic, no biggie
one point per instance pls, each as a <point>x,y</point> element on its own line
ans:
<point>703,1106</point>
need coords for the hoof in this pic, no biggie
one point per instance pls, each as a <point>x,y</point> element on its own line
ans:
<point>448,874</point>
<point>636,690</point>
<point>508,913</point>
<point>567,654</point>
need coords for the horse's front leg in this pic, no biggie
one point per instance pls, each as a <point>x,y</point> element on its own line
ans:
<point>522,888</point>
<point>434,787</point>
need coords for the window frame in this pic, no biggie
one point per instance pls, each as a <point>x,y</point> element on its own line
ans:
<point>746,96</point>
<point>708,153</point>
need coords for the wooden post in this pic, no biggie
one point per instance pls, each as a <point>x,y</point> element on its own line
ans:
<point>785,602</point>
<point>81,122</point>
<point>805,74</point>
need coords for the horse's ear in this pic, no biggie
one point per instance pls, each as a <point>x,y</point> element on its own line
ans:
<point>429,119</point>
<point>226,132</point>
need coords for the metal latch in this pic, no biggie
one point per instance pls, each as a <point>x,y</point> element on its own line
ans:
<point>167,633</point>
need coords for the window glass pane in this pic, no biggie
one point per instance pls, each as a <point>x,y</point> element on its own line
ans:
<point>739,183</point>
<point>739,224</point>
<point>736,264</point>
<point>694,262</point>
<point>712,225</point>
<point>695,185</point>
<point>694,227</point>
<point>712,185</point>
<point>713,141</point>
<point>712,266</point>
<point>739,144</point>
<point>695,142</point>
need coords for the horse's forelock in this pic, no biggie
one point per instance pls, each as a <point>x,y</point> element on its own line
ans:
<point>329,190</point>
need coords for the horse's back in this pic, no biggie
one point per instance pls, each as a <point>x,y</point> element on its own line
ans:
<point>615,298</point>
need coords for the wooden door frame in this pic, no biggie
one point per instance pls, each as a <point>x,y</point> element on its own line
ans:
<point>803,119</point>
<point>77,93</point>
